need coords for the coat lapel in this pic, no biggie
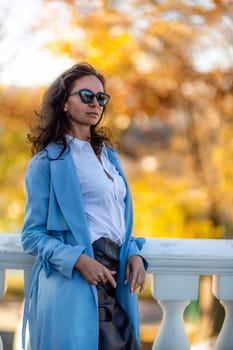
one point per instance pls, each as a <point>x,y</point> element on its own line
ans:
<point>67,190</point>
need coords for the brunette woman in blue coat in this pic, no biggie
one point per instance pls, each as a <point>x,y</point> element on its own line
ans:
<point>78,225</point>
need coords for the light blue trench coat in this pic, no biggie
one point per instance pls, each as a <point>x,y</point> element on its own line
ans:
<point>61,306</point>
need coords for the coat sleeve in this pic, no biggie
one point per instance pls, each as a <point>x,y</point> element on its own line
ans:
<point>51,251</point>
<point>135,247</point>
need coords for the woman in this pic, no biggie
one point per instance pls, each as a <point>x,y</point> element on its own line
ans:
<point>78,224</point>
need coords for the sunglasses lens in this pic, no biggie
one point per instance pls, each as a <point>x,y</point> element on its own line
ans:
<point>102,99</point>
<point>86,96</point>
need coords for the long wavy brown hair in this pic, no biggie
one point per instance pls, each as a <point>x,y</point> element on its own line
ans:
<point>53,124</point>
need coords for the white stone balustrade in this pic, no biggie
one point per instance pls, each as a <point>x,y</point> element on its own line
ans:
<point>176,265</point>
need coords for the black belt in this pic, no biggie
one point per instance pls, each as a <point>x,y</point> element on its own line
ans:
<point>108,247</point>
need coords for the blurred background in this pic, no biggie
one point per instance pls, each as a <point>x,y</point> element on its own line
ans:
<point>169,70</point>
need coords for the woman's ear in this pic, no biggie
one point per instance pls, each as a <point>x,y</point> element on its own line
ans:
<point>65,107</point>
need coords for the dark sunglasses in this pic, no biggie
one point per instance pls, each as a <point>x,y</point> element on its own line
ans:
<point>87,96</point>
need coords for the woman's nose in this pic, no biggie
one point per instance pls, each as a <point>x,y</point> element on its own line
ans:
<point>94,102</point>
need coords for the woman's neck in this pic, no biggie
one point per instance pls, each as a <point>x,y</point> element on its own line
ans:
<point>81,134</point>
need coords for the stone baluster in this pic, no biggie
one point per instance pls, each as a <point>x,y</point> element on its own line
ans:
<point>173,293</point>
<point>2,293</point>
<point>3,285</point>
<point>1,345</point>
<point>223,290</point>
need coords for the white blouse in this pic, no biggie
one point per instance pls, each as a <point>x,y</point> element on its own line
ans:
<point>103,197</point>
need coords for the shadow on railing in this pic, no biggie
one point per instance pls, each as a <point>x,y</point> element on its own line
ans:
<point>176,266</point>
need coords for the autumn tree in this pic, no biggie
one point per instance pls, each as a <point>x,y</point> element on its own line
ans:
<point>150,54</point>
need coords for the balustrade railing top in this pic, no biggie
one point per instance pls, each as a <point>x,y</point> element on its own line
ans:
<point>203,256</point>
<point>176,265</point>
<point>11,253</point>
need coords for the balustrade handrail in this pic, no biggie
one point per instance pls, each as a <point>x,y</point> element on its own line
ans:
<point>176,265</point>
<point>202,256</point>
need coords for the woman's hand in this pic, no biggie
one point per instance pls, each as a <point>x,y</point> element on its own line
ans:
<point>93,271</point>
<point>135,273</point>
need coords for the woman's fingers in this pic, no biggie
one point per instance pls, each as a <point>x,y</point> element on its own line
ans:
<point>140,282</point>
<point>127,273</point>
<point>110,278</point>
<point>137,282</point>
<point>93,271</point>
<point>135,273</point>
<point>106,275</point>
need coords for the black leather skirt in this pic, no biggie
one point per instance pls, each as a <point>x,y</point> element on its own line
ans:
<point>115,331</point>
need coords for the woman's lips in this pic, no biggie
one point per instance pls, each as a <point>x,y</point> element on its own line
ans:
<point>92,114</point>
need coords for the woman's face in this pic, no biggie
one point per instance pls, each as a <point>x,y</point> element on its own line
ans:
<point>80,113</point>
